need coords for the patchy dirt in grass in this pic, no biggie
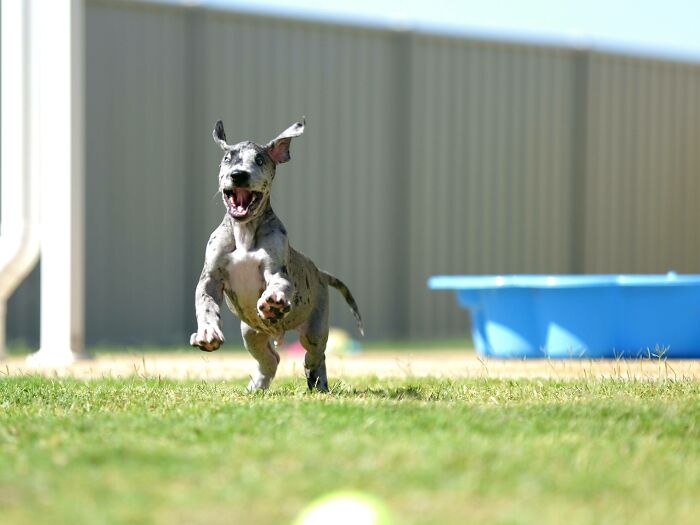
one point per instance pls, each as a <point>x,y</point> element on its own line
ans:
<point>398,364</point>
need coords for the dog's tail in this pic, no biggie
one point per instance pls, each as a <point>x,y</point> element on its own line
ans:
<point>345,292</point>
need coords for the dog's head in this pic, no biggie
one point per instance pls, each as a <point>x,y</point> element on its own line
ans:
<point>247,170</point>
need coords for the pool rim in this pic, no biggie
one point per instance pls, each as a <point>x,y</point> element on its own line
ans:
<point>560,281</point>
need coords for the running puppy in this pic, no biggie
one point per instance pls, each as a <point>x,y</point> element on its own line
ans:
<point>267,283</point>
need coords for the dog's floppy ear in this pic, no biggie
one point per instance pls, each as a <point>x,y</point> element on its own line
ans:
<point>220,135</point>
<point>278,148</point>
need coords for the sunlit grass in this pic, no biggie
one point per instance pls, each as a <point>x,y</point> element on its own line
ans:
<point>437,451</point>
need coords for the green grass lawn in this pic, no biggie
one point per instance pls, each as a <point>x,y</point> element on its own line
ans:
<point>436,451</point>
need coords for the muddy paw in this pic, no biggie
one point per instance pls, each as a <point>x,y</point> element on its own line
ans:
<point>207,338</point>
<point>273,306</point>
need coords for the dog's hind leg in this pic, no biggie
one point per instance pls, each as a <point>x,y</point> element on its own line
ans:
<point>313,338</point>
<point>260,347</point>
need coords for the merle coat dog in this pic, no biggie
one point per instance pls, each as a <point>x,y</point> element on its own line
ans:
<point>249,262</point>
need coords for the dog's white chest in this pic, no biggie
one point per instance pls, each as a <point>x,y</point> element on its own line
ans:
<point>245,274</point>
<point>245,277</point>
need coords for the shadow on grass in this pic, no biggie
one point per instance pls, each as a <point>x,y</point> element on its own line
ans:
<point>413,392</point>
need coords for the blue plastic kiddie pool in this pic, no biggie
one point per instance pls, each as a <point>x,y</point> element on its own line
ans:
<point>588,316</point>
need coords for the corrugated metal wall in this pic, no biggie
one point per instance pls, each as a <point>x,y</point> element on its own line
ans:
<point>643,166</point>
<point>137,173</point>
<point>422,155</point>
<point>490,167</point>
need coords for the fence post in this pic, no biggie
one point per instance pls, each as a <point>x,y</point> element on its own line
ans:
<point>59,26</point>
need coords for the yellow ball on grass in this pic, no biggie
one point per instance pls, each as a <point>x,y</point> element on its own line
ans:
<point>345,508</point>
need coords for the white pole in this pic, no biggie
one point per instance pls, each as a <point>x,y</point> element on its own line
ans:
<point>19,242</point>
<point>59,28</point>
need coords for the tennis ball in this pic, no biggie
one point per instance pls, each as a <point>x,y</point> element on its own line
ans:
<point>345,508</point>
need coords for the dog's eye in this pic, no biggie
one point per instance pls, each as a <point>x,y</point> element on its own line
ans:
<point>227,159</point>
<point>259,159</point>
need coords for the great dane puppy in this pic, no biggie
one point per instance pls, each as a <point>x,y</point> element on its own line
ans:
<point>267,283</point>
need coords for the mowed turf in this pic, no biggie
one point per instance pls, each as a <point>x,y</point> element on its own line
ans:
<point>143,450</point>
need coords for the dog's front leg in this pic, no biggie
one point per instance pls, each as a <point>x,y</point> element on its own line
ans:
<point>276,301</point>
<point>208,298</point>
<point>210,292</point>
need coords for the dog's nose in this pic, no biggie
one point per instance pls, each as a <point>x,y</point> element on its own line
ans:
<point>240,178</point>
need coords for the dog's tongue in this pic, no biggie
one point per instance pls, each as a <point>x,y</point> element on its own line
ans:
<point>242,197</point>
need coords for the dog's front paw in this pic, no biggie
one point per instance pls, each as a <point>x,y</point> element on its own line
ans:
<point>207,338</point>
<point>273,306</point>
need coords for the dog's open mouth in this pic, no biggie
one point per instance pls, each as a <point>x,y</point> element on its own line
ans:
<point>241,202</point>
